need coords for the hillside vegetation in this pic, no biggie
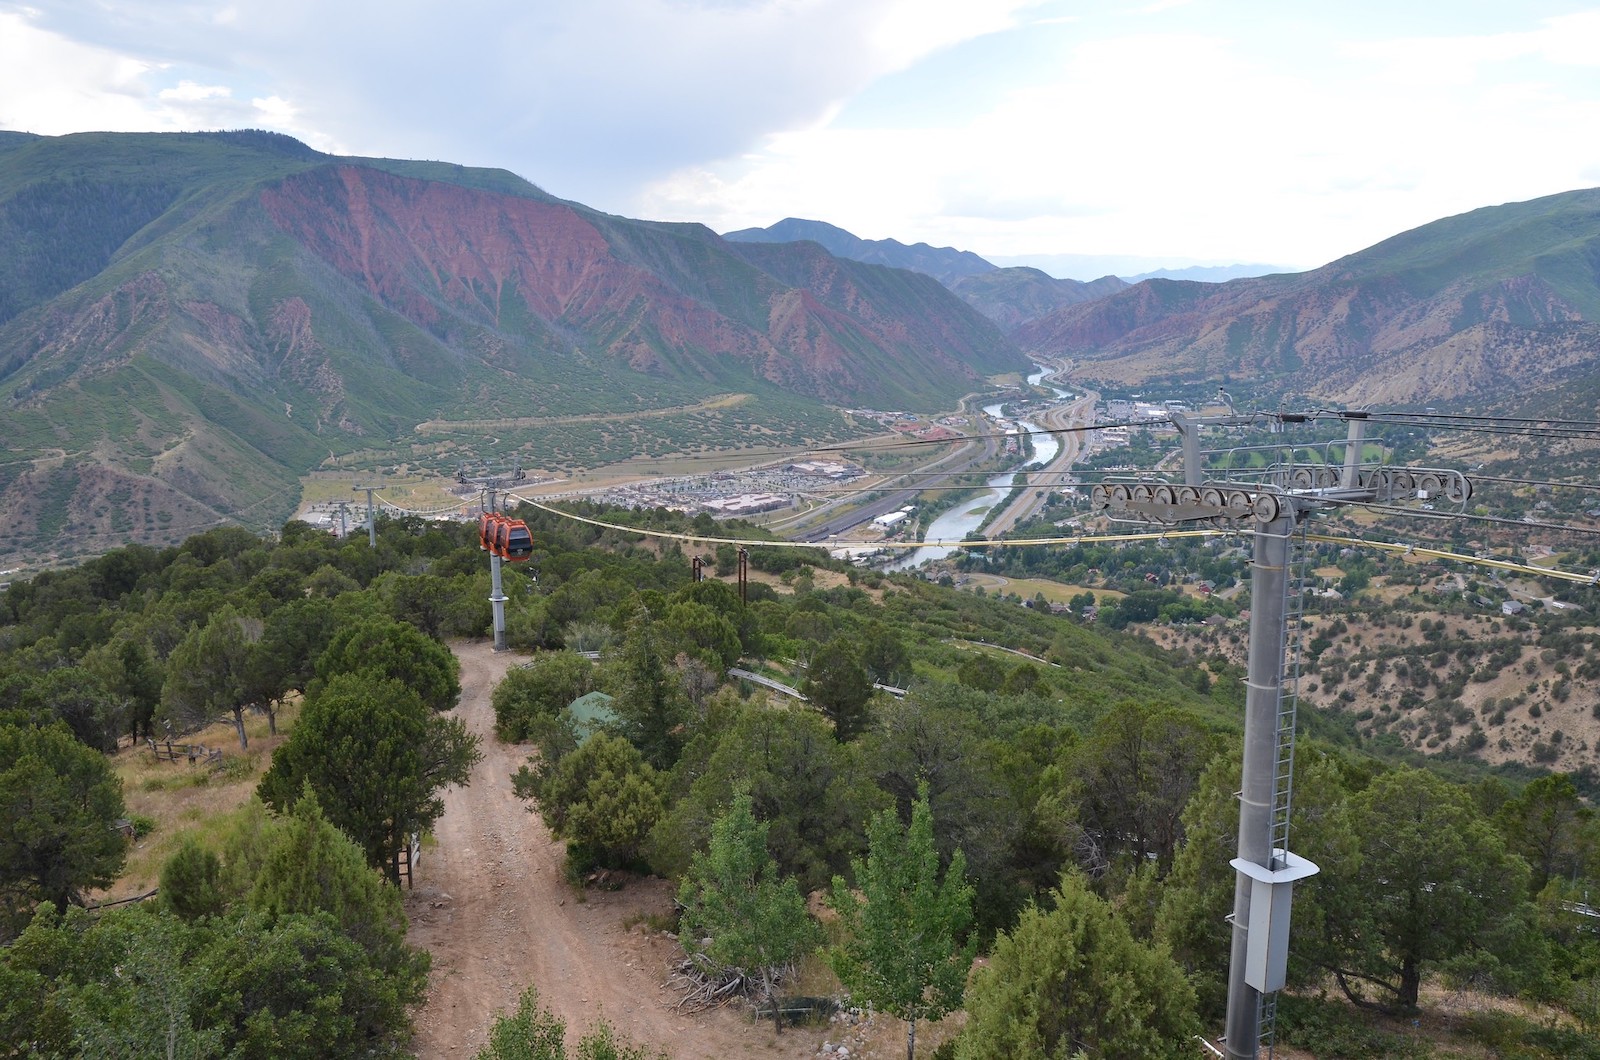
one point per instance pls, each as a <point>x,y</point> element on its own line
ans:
<point>191,322</point>
<point>1087,783</point>
<point>1446,312</point>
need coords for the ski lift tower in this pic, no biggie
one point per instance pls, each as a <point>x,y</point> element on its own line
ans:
<point>1273,509</point>
<point>372,524</point>
<point>490,485</point>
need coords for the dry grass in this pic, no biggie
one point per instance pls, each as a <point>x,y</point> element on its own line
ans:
<point>417,493</point>
<point>183,799</point>
<point>1053,591</point>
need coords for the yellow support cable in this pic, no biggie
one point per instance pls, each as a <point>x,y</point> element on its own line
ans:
<point>1077,539</point>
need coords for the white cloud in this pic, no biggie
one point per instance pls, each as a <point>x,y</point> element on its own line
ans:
<point>1204,145</point>
<point>50,85</point>
<point>1290,133</point>
<point>193,92</point>
<point>588,97</point>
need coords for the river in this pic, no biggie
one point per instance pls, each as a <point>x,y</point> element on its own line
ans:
<point>966,517</point>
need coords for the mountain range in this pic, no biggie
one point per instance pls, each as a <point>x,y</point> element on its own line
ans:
<point>1008,296</point>
<point>1493,305</point>
<point>189,323</point>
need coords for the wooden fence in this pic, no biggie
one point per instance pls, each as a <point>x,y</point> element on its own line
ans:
<point>168,751</point>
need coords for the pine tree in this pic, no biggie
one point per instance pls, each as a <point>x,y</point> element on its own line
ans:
<point>1075,979</point>
<point>839,686</point>
<point>376,757</point>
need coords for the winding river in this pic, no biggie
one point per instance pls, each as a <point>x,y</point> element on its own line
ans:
<point>966,517</point>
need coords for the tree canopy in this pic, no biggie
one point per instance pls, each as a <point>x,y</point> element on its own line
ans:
<point>1430,882</point>
<point>740,914</point>
<point>398,651</point>
<point>1073,980</point>
<point>59,804</point>
<point>903,951</point>
<point>603,799</point>
<point>376,757</point>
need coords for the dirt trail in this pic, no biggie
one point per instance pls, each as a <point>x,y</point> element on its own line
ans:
<point>492,906</point>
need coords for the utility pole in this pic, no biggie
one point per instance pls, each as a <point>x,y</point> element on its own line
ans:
<point>1266,870</point>
<point>372,525</point>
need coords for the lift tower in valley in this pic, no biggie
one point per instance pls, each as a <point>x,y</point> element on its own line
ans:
<point>1273,509</point>
<point>492,485</point>
<point>372,525</point>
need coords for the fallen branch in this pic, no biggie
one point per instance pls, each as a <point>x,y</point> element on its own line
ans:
<point>703,985</point>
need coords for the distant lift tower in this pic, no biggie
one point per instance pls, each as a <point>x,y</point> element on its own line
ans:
<point>492,484</point>
<point>372,525</point>
<point>1273,507</point>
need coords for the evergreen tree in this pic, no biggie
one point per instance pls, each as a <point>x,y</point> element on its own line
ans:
<point>811,792</point>
<point>902,952</point>
<point>531,695</point>
<point>78,697</point>
<point>1545,825</point>
<point>839,686</point>
<point>376,757</point>
<point>603,799</point>
<point>652,706</point>
<point>1433,882</point>
<point>1074,980</point>
<point>386,649</point>
<point>59,802</point>
<point>139,681</point>
<point>191,881</point>
<point>206,673</point>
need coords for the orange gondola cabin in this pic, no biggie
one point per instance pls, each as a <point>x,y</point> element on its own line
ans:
<point>519,541</point>
<point>486,525</point>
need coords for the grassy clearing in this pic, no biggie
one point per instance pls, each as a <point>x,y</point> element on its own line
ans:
<point>190,800</point>
<point>332,487</point>
<point>1054,592</point>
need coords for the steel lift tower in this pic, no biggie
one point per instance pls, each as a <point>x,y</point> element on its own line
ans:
<point>491,485</point>
<point>372,525</point>
<point>1273,509</point>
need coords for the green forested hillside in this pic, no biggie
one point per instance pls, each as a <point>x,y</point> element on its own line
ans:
<point>191,322</point>
<point>1090,789</point>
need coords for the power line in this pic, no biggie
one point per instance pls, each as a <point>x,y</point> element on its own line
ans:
<point>1469,517</point>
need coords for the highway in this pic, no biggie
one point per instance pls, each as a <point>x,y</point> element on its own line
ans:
<point>1076,413</point>
<point>898,497</point>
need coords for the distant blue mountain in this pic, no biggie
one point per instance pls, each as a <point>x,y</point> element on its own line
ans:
<point>1009,297</point>
<point>1210,273</point>
<point>945,264</point>
<point>1133,268</point>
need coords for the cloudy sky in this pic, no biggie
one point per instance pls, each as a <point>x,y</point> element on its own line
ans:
<point>1163,131</point>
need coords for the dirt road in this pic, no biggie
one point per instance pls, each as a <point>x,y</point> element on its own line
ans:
<point>492,906</point>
